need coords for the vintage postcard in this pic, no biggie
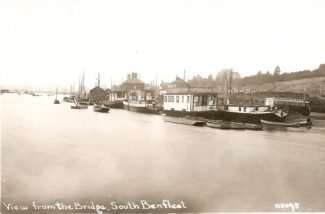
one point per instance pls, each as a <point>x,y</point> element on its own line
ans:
<point>152,106</point>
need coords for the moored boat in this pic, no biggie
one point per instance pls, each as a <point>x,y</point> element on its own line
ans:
<point>101,108</point>
<point>56,101</point>
<point>114,103</point>
<point>185,120</point>
<point>141,106</point>
<point>78,105</point>
<point>273,123</point>
<point>253,126</point>
<point>204,102</point>
<point>219,124</point>
<point>306,122</point>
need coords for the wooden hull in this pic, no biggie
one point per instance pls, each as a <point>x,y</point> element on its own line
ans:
<point>253,126</point>
<point>140,108</point>
<point>219,124</point>
<point>306,122</point>
<point>229,116</point>
<point>114,104</point>
<point>79,107</point>
<point>185,121</point>
<point>101,109</point>
<point>286,124</point>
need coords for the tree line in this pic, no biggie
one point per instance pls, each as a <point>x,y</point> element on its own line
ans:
<point>228,77</point>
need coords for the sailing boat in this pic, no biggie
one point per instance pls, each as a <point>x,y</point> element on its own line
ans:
<point>100,107</point>
<point>56,101</point>
<point>79,104</point>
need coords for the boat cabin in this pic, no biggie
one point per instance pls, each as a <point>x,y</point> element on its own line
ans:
<point>246,109</point>
<point>139,96</point>
<point>274,101</point>
<point>190,99</point>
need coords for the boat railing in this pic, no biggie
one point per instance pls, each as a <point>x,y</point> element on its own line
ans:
<point>205,108</point>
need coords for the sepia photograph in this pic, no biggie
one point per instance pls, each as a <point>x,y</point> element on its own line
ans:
<point>161,106</point>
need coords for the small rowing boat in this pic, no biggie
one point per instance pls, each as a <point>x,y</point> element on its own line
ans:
<point>288,124</point>
<point>185,120</point>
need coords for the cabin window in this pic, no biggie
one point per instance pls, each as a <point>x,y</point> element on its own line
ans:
<point>239,108</point>
<point>165,99</point>
<point>244,109</point>
<point>177,99</point>
<point>256,108</point>
<point>182,99</point>
<point>188,99</point>
<point>196,99</point>
<point>204,100</point>
<point>226,108</point>
<point>170,99</point>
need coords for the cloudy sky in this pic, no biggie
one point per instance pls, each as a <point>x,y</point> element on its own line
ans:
<point>48,43</point>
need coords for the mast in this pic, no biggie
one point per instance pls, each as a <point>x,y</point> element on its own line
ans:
<point>83,84</point>
<point>230,81</point>
<point>225,87</point>
<point>98,83</point>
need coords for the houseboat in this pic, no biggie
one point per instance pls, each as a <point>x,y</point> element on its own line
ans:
<point>204,102</point>
<point>195,102</point>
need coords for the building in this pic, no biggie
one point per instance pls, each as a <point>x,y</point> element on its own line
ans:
<point>177,83</point>
<point>97,94</point>
<point>132,83</point>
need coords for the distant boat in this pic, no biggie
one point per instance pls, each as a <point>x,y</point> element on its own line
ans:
<point>185,120</point>
<point>56,101</point>
<point>79,106</point>
<point>65,99</point>
<point>101,108</point>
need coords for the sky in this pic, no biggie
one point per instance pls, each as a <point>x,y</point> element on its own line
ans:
<point>49,43</point>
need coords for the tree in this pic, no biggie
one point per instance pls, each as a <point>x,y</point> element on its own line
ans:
<point>276,74</point>
<point>277,71</point>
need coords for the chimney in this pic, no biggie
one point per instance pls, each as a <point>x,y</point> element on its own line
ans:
<point>134,75</point>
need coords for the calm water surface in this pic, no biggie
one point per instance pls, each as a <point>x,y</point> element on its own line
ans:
<point>53,153</point>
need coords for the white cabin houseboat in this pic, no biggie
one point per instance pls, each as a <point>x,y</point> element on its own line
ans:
<point>198,102</point>
<point>204,102</point>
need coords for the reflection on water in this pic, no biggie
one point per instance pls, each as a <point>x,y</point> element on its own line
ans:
<point>51,152</point>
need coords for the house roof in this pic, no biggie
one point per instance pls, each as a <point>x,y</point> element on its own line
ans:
<point>133,81</point>
<point>179,81</point>
<point>99,88</point>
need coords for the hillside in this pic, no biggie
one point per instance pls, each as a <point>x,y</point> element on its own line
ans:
<point>311,86</point>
